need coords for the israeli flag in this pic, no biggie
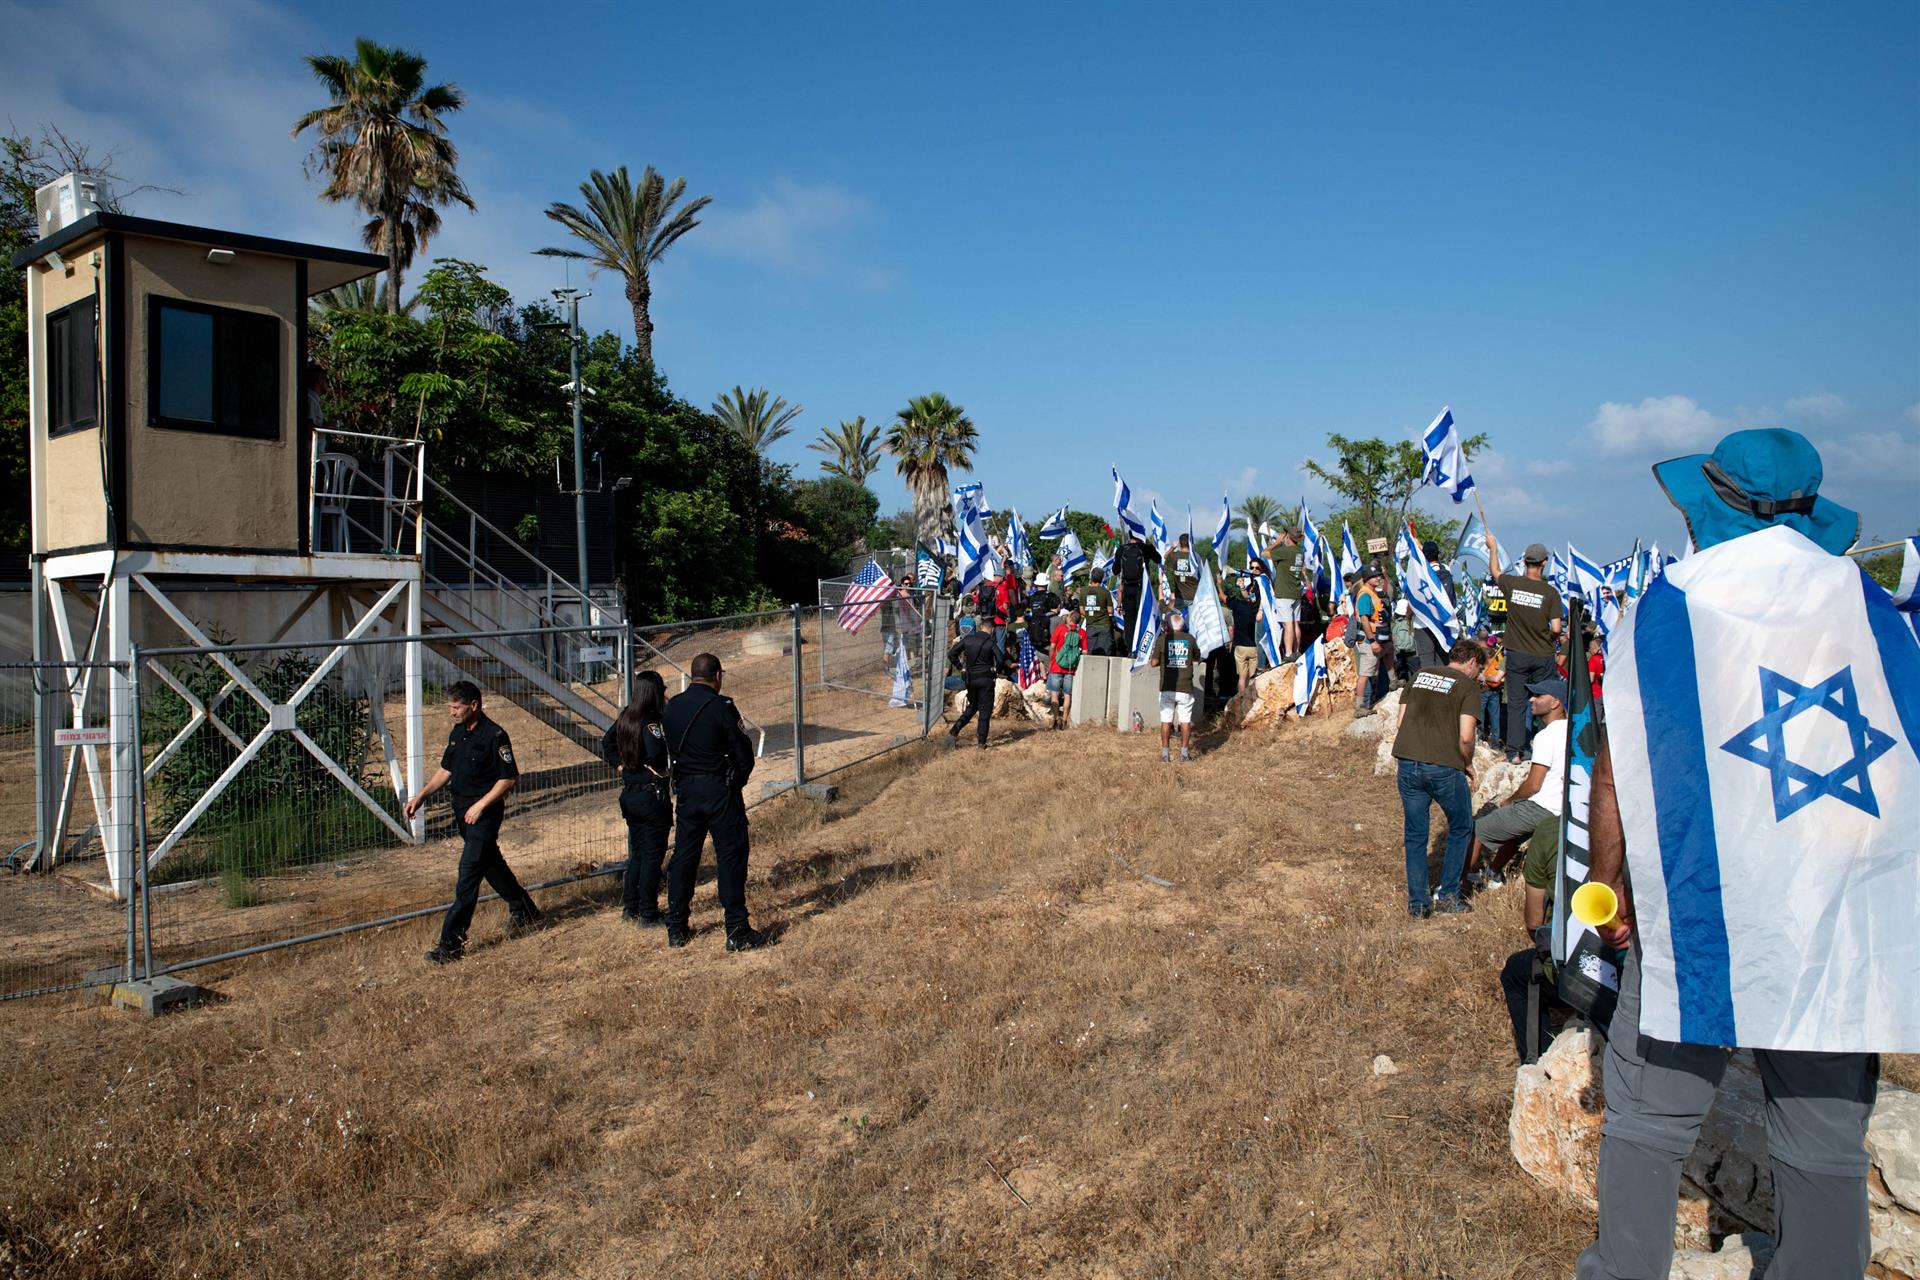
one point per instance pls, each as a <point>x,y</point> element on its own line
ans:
<point>1313,548</point>
<point>1907,594</point>
<point>1222,531</point>
<point>1308,672</point>
<point>1585,576</point>
<point>1204,620</point>
<point>975,560</point>
<point>1560,576</point>
<point>1160,539</point>
<point>1446,459</point>
<point>1073,557</point>
<point>1267,630</point>
<point>1017,548</point>
<point>1123,506</point>
<point>1350,561</point>
<point>1056,525</point>
<point>1104,562</point>
<point>1432,607</point>
<point>1763,706</point>
<point>1145,628</point>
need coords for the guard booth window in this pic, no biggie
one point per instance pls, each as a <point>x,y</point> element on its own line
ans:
<point>73,370</point>
<point>214,369</point>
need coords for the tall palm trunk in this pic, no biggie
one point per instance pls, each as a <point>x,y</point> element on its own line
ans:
<point>639,295</point>
<point>392,236</point>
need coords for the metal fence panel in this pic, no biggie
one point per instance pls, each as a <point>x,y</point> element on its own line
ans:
<point>59,921</point>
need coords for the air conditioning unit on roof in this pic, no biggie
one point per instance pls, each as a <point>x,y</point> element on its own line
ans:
<point>66,200</point>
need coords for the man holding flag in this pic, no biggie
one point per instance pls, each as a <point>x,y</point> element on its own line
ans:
<point>1754,812</point>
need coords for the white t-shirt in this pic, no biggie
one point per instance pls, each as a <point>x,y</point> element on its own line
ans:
<point>1550,749</point>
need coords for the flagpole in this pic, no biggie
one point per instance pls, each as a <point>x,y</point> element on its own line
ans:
<point>1878,546</point>
<point>1493,543</point>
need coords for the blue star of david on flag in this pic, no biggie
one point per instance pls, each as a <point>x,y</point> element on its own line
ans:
<point>1795,786</point>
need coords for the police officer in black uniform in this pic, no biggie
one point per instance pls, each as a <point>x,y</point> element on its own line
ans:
<point>478,769</point>
<point>712,757</point>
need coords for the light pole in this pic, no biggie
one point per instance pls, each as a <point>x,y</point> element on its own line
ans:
<point>572,298</point>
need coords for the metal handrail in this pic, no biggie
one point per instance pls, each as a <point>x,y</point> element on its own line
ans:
<point>556,582</point>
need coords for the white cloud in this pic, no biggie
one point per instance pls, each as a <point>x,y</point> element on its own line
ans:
<point>1242,485</point>
<point>793,226</point>
<point>1820,407</point>
<point>1658,424</point>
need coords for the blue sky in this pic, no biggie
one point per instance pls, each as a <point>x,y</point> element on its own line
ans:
<point>1192,244</point>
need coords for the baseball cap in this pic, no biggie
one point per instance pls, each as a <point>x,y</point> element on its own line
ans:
<point>1537,553</point>
<point>1551,687</point>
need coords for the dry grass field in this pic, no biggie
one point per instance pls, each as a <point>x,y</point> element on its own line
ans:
<point>982,1047</point>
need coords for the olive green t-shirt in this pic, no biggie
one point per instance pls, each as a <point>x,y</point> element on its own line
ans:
<point>1532,607</point>
<point>1435,700</point>
<point>1097,601</point>
<point>1286,573</point>
<point>1175,653</point>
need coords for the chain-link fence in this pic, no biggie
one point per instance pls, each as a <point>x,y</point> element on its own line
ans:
<point>66,825</point>
<point>269,808</point>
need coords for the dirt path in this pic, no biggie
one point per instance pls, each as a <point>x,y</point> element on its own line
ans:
<point>983,1047</point>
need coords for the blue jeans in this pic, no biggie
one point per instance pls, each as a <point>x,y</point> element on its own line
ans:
<point>1490,716</point>
<point>1421,786</point>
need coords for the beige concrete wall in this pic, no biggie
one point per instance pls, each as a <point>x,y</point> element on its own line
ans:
<point>73,498</point>
<point>185,488</point>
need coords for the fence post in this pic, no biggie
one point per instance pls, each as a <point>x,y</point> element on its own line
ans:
<point>799,712</point>
<point>139,790</point>
<point>823,640</point>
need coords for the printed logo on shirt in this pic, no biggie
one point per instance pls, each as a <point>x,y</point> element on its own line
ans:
<point>1179,652</point>
<point>1526,599</point>
<point>1183,567</point>
<point>1093,603</point>
<point>1437,681</point>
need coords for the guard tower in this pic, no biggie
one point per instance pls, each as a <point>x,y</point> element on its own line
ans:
<point>170,441</point>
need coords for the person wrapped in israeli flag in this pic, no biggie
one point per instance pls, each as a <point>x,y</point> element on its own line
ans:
<point>1056,525</point>
<point>1145,628</point>
<point>1446,457</point>
<point>1123,507</point>
<point>1756,816</point>
<point>1308,671</point>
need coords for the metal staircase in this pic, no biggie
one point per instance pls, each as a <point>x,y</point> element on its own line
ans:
<point>522,643</point>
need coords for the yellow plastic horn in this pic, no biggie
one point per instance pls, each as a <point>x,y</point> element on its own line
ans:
<point>1595,905</point>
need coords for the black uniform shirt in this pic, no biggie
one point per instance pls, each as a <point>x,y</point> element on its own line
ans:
<point>653,753</point>
<point>701,736</point>
<point>477,758</point>
<point>977,657</point>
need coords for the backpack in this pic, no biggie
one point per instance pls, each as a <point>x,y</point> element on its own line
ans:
<point>1069,655</point>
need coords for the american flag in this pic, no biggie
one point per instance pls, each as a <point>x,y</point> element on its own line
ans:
<point>1029,660</point>
<point>870,589</point>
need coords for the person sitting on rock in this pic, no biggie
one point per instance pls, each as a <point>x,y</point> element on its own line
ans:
<point>1538,797</point>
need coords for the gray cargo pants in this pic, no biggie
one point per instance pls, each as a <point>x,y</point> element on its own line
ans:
<point>1657,1096</point>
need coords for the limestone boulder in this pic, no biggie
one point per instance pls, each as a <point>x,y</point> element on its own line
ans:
<point>1386,711</point>
<point>1266,701</point>
<point>1739,1257</point>
<point>1893,1140</point>
<point>1554,1128</point>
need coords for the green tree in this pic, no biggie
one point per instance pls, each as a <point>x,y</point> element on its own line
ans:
<point>1883,566</point>
<point>628,227</point>
<point>364,296</point>
<point>930,438</point>
<point>852,449</point>
<point>838,515</point>
<point>1378,478</point>
<point>758,417</point>
<point>382,144</point>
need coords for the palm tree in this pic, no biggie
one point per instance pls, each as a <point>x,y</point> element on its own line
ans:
<point>361,296</point>
<point>852,449</point>
<point>383,145</point>
<point>929,438</point>
<point>627,227</point>
<point>758,416</point>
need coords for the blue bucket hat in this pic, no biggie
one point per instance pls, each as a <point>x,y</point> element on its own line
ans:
<point>1755,480</point>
